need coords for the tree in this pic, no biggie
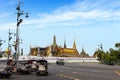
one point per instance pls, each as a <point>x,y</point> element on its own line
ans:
<point>117,45</point>
<point>115,54</point>
<point>100,55</point>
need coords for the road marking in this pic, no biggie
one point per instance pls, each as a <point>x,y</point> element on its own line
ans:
<point>75,72</point>
<point>65,76</point>
<point>77,79</point>
<point>118,73</point>
<point>69,77</point>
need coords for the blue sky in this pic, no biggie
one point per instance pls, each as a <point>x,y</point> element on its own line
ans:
<point>88,22</point>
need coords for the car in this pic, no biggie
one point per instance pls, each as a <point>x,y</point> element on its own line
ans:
<point>32,64</point>
<point>5,71</point>
<point>60,62</point>
<point>23,68</point>
<point>111,63</point>
<point>42,67</point>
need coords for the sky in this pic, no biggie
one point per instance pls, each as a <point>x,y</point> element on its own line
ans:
<point>88,22</point>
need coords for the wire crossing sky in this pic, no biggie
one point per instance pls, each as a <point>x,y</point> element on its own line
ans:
<point>88,22</point>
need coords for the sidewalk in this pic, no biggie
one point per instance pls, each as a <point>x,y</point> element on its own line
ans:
<point>94,65</point>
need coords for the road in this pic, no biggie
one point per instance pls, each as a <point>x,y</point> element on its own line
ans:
<point>75,71</point>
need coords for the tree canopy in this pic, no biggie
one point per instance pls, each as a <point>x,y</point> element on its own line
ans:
<point>111,56</point>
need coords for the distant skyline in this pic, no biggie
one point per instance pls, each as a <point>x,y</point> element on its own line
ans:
<point>88,22</point>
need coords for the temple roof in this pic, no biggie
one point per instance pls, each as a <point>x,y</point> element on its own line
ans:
<point>68,52</point>
<point>74,45</point>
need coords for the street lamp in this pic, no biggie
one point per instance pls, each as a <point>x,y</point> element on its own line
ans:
<point>19,21</point>
<point>9,46</point>
<point>100,46</point>
<point>1,43</point>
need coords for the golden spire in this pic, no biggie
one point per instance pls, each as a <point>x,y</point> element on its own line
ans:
<point>54,40</point>
<point>83,50</point>
<point>64,43</point>
<point>74,45</point>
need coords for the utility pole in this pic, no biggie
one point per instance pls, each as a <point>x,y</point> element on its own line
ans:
<point>19,21</point>
<point>100,47</point>
<point>1,43</point>
<point>9,45</point>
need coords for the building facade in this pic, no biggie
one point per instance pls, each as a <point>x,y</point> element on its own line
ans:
<point>55,50</point>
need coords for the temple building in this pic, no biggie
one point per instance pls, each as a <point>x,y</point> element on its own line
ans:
<point>38,51</point>
<point>83,53</point>
<point>68,52</point>
<point>55,50</point>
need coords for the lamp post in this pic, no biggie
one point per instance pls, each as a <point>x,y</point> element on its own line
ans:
<point>100,47</point>
<point>9,46</point>
<point>19,21</point>
<point>1,43</point>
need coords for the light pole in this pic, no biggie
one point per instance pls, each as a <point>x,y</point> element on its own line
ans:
<point>9,46</point>
<point>1,43</point>
<point>19,21</point>
<point>100,47</point>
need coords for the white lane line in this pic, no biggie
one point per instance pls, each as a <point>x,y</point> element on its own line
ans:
<point>69,77</point>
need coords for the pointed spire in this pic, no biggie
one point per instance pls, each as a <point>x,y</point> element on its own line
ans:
<point>83,50</point>
<point>74,45</point>
<point>64,43</point>
<point>54,40</point>
<point>50,54</point>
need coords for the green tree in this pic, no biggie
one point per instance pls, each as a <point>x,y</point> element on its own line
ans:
<point>100,55</point>
<point>115,55</point>
<point>117,45</point>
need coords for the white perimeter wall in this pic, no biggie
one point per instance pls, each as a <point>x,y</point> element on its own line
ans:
<point>54,59</point>
<point>67,59</point>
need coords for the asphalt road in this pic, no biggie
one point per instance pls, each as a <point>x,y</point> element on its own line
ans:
<point>75,71</point>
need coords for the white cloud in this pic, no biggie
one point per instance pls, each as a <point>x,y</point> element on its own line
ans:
<point>2,15</point>
<point>81,11</point>
<point>78,13</point>
<point>7,26</point>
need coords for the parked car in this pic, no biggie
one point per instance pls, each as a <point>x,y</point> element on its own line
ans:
<point>42,67</point>
<point>23,68</point>
<point>5,71</point>
<point>60,62</point>
<point>32,64</point>
<point>111,63</point>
